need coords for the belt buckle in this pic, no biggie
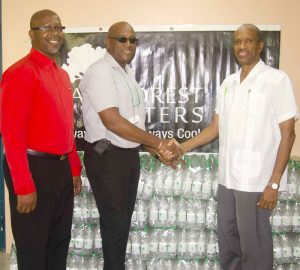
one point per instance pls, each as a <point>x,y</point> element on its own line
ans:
<point>63,157</point>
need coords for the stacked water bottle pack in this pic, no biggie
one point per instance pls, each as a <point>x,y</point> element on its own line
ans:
<point>174,220</point>
<point>285,221</point>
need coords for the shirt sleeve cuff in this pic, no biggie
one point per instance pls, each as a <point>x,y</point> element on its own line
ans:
<point>25,188</point>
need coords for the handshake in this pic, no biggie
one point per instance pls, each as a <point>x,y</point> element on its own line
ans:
<point>169,152</point>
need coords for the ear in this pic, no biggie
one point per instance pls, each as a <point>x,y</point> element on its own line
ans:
<point>31,34</point>
<point>261,46</point>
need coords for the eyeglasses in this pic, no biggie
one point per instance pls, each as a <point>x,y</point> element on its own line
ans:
<point>132,40</point>
<point>57,28</point>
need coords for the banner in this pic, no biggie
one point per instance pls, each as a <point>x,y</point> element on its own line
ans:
<point>179,72</point>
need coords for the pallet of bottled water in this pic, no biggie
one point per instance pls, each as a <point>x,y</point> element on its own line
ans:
<point>174,221</point>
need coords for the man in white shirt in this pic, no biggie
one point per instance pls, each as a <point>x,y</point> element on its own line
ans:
<point>254,119</point>
<point>114,119</point>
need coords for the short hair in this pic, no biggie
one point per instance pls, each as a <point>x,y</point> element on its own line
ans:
<point>252,27</point>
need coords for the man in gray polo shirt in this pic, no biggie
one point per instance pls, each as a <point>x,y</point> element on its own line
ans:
<point>114,117</point>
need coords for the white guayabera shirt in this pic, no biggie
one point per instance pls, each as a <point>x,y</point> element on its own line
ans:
<point>249,116</point>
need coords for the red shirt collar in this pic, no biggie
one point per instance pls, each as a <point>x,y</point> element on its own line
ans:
<point>41,58</point>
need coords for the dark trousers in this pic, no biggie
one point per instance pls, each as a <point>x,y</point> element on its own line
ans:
<point>113,176</point>
<point>42,237</point>
<point>244,231</point>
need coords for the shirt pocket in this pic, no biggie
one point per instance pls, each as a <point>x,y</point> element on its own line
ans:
<point>256,104</point>
<point>246,165</point>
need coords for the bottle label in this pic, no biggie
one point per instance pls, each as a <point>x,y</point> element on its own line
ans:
<point>277,252</point>
<point>201,247</point>
<point>172,216</point>
<point>145,248</point>
<point>153,247</point>
<point>296,252</point>
<point>88,244</point>
<point>200,217</point>
<point>79,243</point>
<point>196,186</point>
<point>95,213</point>
<point>287,220</point>
<point>187,184</point>
<point>276,220</point>
<point>98,243</point>
<point>135,248</point>
<point>172,247</point>
<point>211,248</point>
<point>177,184</point>
<point>182,216</point>
<point>141,216</point>
<point>168,184</point>
<point>192,247</point>
<point>153,215</point>
<point>295,220</point>
<point>182,247</point>
<point>162,247</point>
<point>163,215</point>
<point>191,217</point>
<point>287,252</point>
<point>77,212</point>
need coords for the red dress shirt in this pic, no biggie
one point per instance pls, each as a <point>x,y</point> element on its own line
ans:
<point>36,112</point>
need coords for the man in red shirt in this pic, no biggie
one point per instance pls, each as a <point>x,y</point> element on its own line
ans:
<point>36,122</point>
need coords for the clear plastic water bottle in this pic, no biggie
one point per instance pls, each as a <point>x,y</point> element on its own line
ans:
<point>142,180</point>
<point>153,212</point>
<point>207,183</point>
<point>148,186</point>
<point>286,249</point>
<point>296,248</point>
<point>97,249</point>
<point>88,239</point>
<point>172,212</point>
<point>72,262</point>
<point>207,265</point>
<point>212,245</point>
<point>182,243</point>
<point>141,212</point>
<point>163,244</point>
<point>86,208</point>
<point>286,217</point>
<point>145,248</point>
<point>277,249</point>
<point>172,243</point>
<point>92,263</point>
<point>79,239</point>
<point>128,245</point>
<point>197,184</point>
<point>200,213</point>
<point>168,181</point>
<point>135,245</point>
<point>201,244</point>
<point>296,217</point>
<point>211,214</point>
<point>188,179</point>
<point>192,244</point>
<point>153,243</point>
<point>77,210</point>
<point>13,264</point>
<point>130,265</point>
<point>162,212</point>
<point>181,214</point>
<point>94,211</point>
<point>178,179</point>
<point>190,215</point>
<point>276,218</point>
<point>292,182</point>
<point>159,182</point>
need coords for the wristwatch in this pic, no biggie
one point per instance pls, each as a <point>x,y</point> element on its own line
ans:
<point>274,186</point>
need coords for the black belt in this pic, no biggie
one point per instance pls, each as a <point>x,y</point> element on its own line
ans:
<point>112,146</point>
<point>46,155</point>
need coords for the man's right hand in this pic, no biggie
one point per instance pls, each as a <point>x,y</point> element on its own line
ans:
<point>26,203</point>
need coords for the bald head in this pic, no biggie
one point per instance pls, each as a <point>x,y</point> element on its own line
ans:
<point>118,27</point>
<point>251,27</point>
<point>121,42</point>
<point>38,16</point>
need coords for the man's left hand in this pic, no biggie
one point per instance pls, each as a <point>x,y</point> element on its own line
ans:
<point>268,198</point>
<point>77,184</point>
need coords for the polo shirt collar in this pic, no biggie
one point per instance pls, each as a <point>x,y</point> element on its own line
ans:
<point>41,58</point>
<point>113,63</point>
<point>256,69</point>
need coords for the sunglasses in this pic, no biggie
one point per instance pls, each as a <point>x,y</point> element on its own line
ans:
<point>58,28</point>
<point>132,40</point>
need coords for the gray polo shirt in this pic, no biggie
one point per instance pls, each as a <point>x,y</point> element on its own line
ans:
<point>104,85</point>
